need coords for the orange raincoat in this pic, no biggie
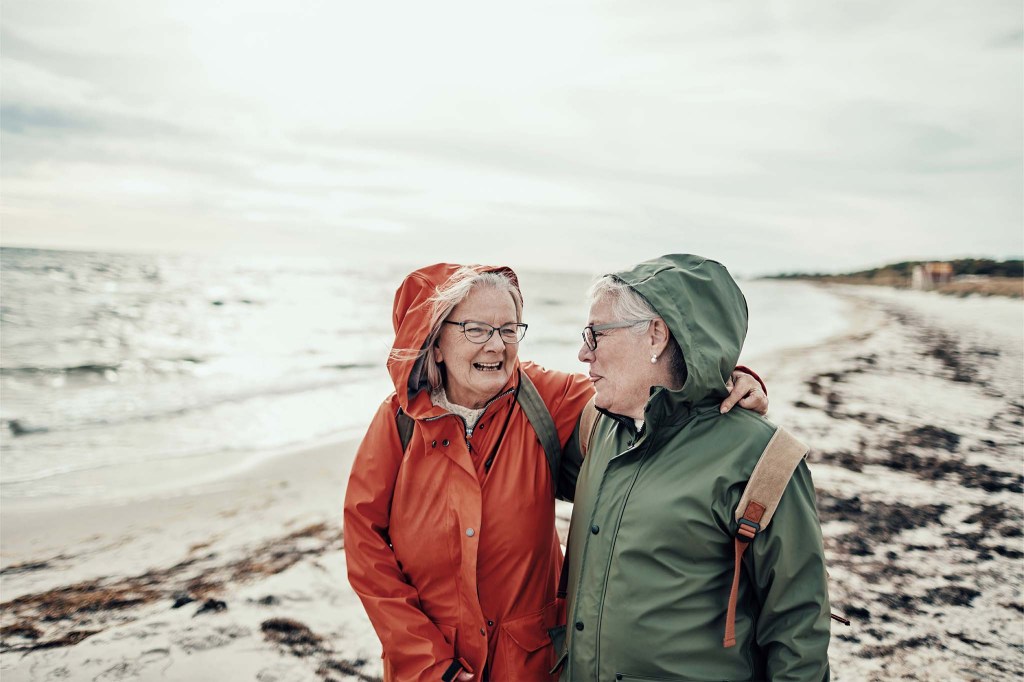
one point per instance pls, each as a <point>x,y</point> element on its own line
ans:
<point>453,561</point>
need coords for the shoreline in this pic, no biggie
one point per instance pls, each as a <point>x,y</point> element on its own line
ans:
<point>984,287</point>
<point>914,413</point>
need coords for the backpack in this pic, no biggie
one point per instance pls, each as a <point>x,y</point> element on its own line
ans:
<point>537,414</point>
<point>761,497</point>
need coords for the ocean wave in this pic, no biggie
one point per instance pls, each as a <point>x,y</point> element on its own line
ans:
<point>351,365</point>
<point>19,428</point>
<point>23,426</point>
<point>100,369</point>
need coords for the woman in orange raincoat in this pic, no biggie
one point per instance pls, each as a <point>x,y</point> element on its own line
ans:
<point>451,543</point>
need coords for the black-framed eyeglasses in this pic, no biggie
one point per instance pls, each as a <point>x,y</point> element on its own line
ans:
<point>592,331</point>
<point>481,332</point>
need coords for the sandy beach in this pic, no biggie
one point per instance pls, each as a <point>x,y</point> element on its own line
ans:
<point>916,417</point>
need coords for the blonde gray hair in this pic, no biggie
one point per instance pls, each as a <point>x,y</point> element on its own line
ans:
<point>444,300</point>
<point>629,304</point>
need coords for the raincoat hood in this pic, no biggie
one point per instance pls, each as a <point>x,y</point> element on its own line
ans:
<point>706,313</point>
<point>411,319</point>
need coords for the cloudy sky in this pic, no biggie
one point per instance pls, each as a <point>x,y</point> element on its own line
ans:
<point>771,135</point>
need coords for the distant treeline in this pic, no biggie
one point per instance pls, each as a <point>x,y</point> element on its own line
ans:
<point>961,266</point>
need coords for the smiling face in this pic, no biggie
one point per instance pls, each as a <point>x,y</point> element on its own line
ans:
<point>476,372</point>
<point>620,366</point>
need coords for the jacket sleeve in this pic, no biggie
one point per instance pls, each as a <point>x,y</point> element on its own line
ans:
<point>747,370</point>
<point>414,646</point>
<point>793,626</point>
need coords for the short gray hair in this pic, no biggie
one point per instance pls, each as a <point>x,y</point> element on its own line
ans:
<point>629,304</point>
<point>454,292</point>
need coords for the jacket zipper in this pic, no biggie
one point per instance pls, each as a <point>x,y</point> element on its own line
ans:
<point>583,562</point>
<point>642,441</point>
<point>611,551</point>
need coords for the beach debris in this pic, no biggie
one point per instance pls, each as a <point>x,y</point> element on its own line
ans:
<point>180,599</point>
<point>299,640</point>
<point>293,635</point>
<point>25,567</point>
<point>211,606</point>
<point>66,615</point>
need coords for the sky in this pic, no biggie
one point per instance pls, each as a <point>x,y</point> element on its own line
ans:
<point>773,136</point>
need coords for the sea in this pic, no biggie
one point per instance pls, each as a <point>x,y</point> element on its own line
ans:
<point>124,376</point>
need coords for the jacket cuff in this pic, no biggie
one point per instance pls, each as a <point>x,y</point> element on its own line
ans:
<point>747,370</point>
<point>457,666</point>
<point>451,672</point>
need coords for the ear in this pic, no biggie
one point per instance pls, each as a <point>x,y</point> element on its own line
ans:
<point>436,350</point>
<point>658,334</point>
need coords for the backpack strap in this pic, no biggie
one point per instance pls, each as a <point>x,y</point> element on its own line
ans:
<point>587,427</point>
<point>760,499</point>
<point>536,412</point>
<point>588,424</point>
<point>540,418</point>
<point>405,425</point>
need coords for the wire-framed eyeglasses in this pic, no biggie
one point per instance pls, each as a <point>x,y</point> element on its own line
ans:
<point>592,331</point>
<point>481,332</point>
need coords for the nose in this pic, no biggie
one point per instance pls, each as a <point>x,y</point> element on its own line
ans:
<point>585,354</point>
<point>494,344</point>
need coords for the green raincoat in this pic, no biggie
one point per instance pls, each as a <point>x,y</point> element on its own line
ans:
<point>651,543</point>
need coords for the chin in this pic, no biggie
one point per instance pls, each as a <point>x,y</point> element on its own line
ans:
<point>494,382</point>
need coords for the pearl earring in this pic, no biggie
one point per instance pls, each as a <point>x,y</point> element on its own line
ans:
<point>654,359</point>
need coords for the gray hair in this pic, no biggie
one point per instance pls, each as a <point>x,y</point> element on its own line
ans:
<point>629,304</point>
<point>449,295</point>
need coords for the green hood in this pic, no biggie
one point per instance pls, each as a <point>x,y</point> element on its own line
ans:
<point>706,312</point>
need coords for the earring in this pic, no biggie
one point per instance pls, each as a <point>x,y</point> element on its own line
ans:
<point>654,359</point>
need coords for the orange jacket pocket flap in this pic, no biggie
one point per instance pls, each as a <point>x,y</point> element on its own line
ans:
<point>531,632</point>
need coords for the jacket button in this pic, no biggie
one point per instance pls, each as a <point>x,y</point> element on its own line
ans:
<point>445,442</point>
<point>433,443</point>
<point>595,529</point>
<point>579,625</point>
<point>482,632</point>
<point>470,532</point>
<point>490,623</point>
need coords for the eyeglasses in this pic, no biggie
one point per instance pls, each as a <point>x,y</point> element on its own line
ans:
<point>481,332</point>
<point>592,331</point>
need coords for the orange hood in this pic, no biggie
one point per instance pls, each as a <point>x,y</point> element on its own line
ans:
<point>411,318</point>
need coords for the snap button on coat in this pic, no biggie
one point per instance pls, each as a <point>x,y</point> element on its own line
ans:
<point>470,532</point>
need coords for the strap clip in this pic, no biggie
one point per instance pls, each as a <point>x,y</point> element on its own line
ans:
<point>747,530</point>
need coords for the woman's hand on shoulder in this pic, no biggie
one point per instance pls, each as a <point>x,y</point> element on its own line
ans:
<point>745,391</point>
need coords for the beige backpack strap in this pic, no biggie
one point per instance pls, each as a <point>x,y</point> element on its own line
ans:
<point>760,499</point>
<point>588,424</point>
<point>771,475</point>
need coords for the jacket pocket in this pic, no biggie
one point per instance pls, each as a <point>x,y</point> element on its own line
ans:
<point>526,646</point>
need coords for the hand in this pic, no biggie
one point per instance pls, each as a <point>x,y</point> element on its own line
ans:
<point>745,391</point>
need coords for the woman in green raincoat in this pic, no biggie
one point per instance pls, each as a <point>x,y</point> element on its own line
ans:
<point>650,549</point>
